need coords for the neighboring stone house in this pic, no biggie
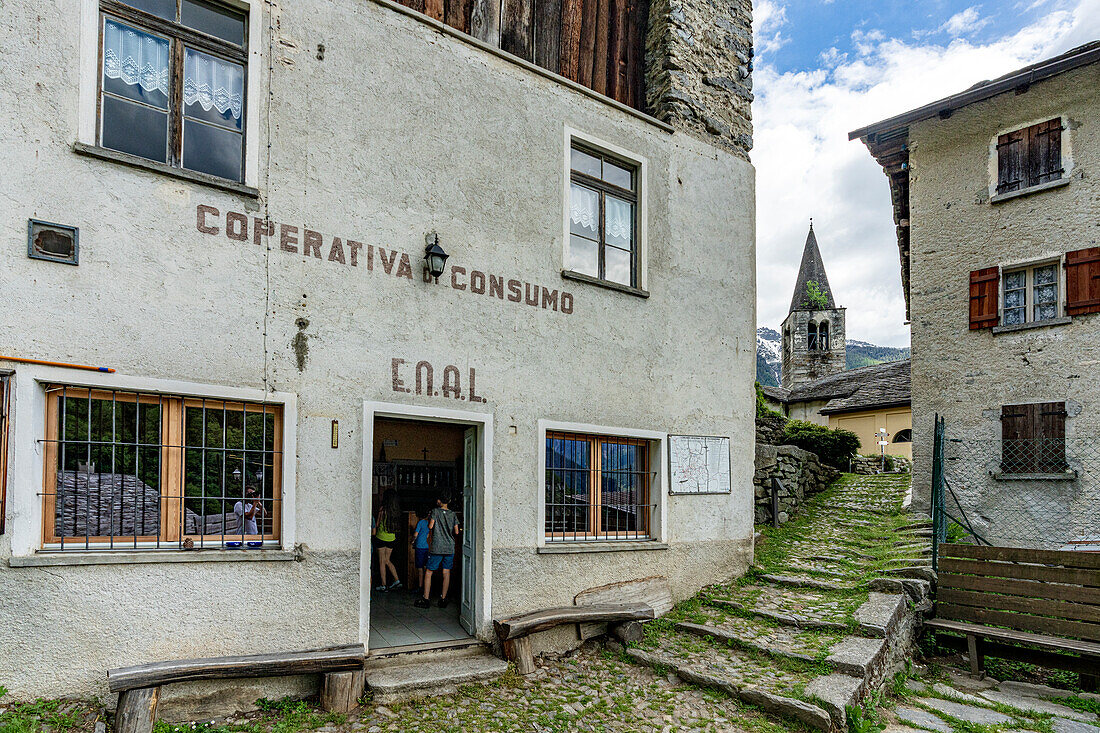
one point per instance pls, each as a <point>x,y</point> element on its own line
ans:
<point>994,192</point>
<point>242,210</point>
<point>816,384</point>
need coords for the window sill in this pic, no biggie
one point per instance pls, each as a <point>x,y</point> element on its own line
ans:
<point>1060,321</point>
<point>134,161</point>
<point>573,548</point>
<point>1061,476</point>
<point>47,558</point>
<point>570,275</point>
<point>998,198</point>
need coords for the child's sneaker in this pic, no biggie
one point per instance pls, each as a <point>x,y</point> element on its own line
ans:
<point>443,602</point>
<point>395,585</point>
<point>381,588</point>
<point>422,603</point>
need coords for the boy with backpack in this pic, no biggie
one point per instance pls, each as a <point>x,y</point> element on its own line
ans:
<point>442,527</point>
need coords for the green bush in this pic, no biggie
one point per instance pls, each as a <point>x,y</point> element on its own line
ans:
<point>832,445</point>
<point>762,409</point>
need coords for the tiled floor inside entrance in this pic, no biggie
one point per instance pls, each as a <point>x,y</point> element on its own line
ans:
<point>395,621</point>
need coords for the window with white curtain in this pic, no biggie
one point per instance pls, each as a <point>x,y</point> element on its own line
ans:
<point>603,214</point>
<point>172,83</point>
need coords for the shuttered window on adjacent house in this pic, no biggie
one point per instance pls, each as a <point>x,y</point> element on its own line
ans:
<point>984,285</point>
<point>1029,157</point>
<point>1033,438</point>
<point>1083,281</point>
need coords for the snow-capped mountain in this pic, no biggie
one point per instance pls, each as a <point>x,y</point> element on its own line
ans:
<point>860,353</point>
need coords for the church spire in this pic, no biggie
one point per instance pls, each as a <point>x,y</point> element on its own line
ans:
<point>812,270</point>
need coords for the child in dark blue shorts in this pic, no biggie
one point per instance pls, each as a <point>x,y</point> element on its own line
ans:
<point>420,542</point>
<point>443,527</point>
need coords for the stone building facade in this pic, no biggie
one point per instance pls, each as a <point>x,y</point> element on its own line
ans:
<point>994,195</point>
<point>262,301</point>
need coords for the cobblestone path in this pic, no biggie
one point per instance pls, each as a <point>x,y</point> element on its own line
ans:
<point>805,633</point>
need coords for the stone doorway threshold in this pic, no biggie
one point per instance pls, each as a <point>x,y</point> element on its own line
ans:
<point>400,673</point>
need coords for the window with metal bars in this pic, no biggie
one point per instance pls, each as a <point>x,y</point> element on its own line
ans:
<point>603,211</point>
<point>172,83</point>
<point>127,470</point>
<point>597,488</point>
<point>1033,438</point>
<point>5,411</point>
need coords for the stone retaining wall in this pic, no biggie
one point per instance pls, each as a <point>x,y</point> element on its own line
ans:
<point>873,464</point>
<point>769,430</point>
<point>801,473</point>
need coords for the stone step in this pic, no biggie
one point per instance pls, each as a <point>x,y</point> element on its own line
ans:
<point>808,608</point>
<point>804,581</point>
<point>400,677</point>
<point>855,656</point>
<point>737,673</point>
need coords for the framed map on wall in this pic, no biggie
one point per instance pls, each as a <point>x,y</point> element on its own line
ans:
<point>699,464</point>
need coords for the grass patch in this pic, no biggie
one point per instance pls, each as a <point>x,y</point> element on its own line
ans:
<point>30,717</point>
<point>1080,704</point>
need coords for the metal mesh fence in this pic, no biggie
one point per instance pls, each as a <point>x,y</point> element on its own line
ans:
<point>1042,494</point>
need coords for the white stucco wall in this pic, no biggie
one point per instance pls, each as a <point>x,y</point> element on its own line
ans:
<point>968,375</point>
<point>399,131</point>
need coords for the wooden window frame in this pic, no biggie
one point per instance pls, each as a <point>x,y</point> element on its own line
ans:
<point>603,189</point>
<point>1029,291</point>
<point>178,36</point>
<point>595,505</point>
<point>1029,157</point>
<point>5,422</point>
<point>172,448</point>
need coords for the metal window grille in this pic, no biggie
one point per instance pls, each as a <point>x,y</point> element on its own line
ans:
<point>597,488</point>
<point>142,470</point>
<point>5,411</point>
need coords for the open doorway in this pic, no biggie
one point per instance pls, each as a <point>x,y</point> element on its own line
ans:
<point>416,464</point>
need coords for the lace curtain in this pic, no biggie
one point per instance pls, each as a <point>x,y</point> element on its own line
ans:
<point>584,209</point>
<point>620,222</point>
<point>213,83</point>
<point>136,58</point>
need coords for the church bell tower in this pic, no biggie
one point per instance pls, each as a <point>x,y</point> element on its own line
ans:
<point>814,343</point>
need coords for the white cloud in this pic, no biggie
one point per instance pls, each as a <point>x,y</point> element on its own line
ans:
<point>965,22</point>
<point>807,167</point>
<point>768,16</point>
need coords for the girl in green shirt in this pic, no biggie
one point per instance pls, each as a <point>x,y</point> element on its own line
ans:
<point>385,537</point>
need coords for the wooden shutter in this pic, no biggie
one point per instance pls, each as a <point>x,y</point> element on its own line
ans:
<point>1083,281</point>
<point>1011,149</point>
<point>1051,445</point>
<point>983,298</point>
<point>1045,152</point>
<point>1033,438</point>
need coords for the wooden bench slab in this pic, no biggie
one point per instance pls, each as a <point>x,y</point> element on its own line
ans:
<point>653,591</point>
<point>514,633</point>
<point>531,623</point>
<point>1041,641</point>
<point>314,661</point>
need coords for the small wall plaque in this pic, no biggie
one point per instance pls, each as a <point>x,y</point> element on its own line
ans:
<point>53,242</point>
<point>699,464</point>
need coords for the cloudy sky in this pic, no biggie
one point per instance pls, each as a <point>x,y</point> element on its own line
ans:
<point>825,67</point>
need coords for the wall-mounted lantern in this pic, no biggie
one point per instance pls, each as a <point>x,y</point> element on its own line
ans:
<point>435,259</point>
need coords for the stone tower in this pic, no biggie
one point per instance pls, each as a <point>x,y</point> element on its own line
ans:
<point>813,332</point>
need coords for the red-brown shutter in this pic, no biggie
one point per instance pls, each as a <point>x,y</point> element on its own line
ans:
<point>1045,152</point>
<point>983,298</point>
<point>1017,455</point>
<point>1011,159</point>
<point>1083,281</point>
<point>1051,447</point>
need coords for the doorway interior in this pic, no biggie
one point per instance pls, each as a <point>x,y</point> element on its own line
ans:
<point>422,461</point>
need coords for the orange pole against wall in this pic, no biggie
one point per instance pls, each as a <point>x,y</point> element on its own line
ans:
<point>109,370</point>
